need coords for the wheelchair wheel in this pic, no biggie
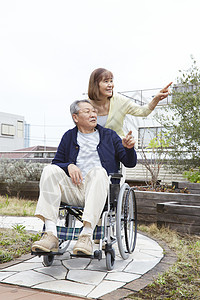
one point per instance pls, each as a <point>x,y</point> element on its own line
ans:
<point>130,220</point>
<point>110,260</point>
<point>48,260</point>
<point>120,230</point>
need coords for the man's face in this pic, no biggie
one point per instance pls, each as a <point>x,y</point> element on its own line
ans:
<point>86,118</point>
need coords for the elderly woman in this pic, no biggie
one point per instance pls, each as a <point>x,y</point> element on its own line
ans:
<point>112,108</point>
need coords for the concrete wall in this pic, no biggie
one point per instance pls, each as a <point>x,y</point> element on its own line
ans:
<point>11,132</point>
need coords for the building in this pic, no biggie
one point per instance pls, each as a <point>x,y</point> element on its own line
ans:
<point>14,132</point>
<point>43,154</point>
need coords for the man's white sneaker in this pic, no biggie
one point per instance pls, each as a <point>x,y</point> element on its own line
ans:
<point>83,245</point>
<point>47,243</point>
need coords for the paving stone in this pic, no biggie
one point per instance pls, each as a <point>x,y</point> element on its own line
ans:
<point>97,265</point>
<point>128,260</point>
<point>64,256</point>
<point>57,272</point>
<point>154,253</point>
<point>121,276</point>
<point>148,244</point>
<point>28,278</point>
<point>141,267</point>
<point>120,265</point>
<point>56,261</point>
<point>35,259</point>
<point>67,287</point>
<point>139,256</point>
<point>86,276</point>
<point>76,263</point>
<point>4,275</point>
<point>23,266</point>
<point>106,286</point>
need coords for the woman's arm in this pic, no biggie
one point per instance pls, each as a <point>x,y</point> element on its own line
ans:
<point>160,96</point>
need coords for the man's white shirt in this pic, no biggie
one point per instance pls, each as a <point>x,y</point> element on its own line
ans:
<point>88,157</point>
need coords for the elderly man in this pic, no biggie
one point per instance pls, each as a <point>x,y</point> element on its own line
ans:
<point>78,175</point>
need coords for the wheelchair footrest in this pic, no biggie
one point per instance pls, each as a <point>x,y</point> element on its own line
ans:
<point>82,255</point>
<point>97,255</point>
<point>40,253</point>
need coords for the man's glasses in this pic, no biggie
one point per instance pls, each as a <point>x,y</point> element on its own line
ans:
<point>88,111</point>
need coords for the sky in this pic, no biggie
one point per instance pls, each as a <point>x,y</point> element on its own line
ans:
<point>48,49</point>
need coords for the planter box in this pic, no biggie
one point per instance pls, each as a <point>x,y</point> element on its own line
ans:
<point>182,217</point>
<point>147,203</point>
<point>29,190</point>
<point>193,188</point>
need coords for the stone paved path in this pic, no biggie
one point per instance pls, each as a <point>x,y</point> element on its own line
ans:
<point>80,276</point>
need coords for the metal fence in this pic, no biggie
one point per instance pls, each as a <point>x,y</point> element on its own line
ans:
<point>34,156</point>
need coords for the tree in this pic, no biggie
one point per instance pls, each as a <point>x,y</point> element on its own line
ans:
<point>182,120</point>
<point>157,150</point>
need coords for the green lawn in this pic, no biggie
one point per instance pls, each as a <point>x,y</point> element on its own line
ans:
<point>15,242</point>
<point>12,206</point>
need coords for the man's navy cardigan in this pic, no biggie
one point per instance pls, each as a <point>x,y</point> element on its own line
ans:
<point>110,150</point>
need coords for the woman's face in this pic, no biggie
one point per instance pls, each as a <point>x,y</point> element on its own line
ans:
<point>106,86</point>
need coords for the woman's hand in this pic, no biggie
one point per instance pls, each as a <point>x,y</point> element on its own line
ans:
<point>160,96</point>
<point>75,174</point>
<point>128,141</point>
<point>164,92</point>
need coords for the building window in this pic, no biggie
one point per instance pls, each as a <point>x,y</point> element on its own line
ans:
<point>20,129</point>
<point>39,155</point>
<point>50,155</point>
<point>146,134</point>
<point>7,129</point>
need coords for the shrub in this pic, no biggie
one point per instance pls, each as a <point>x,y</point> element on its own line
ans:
<point>192,175</point>
<point>16,173</point>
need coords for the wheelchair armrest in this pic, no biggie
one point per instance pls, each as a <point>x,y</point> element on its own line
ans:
<point>116,175</point>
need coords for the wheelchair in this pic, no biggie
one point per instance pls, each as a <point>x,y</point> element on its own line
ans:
<point>118,225</point>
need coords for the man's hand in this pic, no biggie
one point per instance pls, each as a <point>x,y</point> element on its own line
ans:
<point>75,174</point>
<point>128,141</point>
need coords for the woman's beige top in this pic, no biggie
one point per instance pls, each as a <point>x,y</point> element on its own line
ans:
<point>120,106</point>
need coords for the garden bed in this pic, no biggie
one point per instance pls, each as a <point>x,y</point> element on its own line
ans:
<point>28,190</point>
<point>180,216</point>
<point>147,203</point>
<point>193,188</point>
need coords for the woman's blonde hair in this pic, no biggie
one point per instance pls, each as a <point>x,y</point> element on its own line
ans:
<point>96,76</point>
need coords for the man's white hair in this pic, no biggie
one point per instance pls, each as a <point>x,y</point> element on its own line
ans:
<point>74,107</point>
